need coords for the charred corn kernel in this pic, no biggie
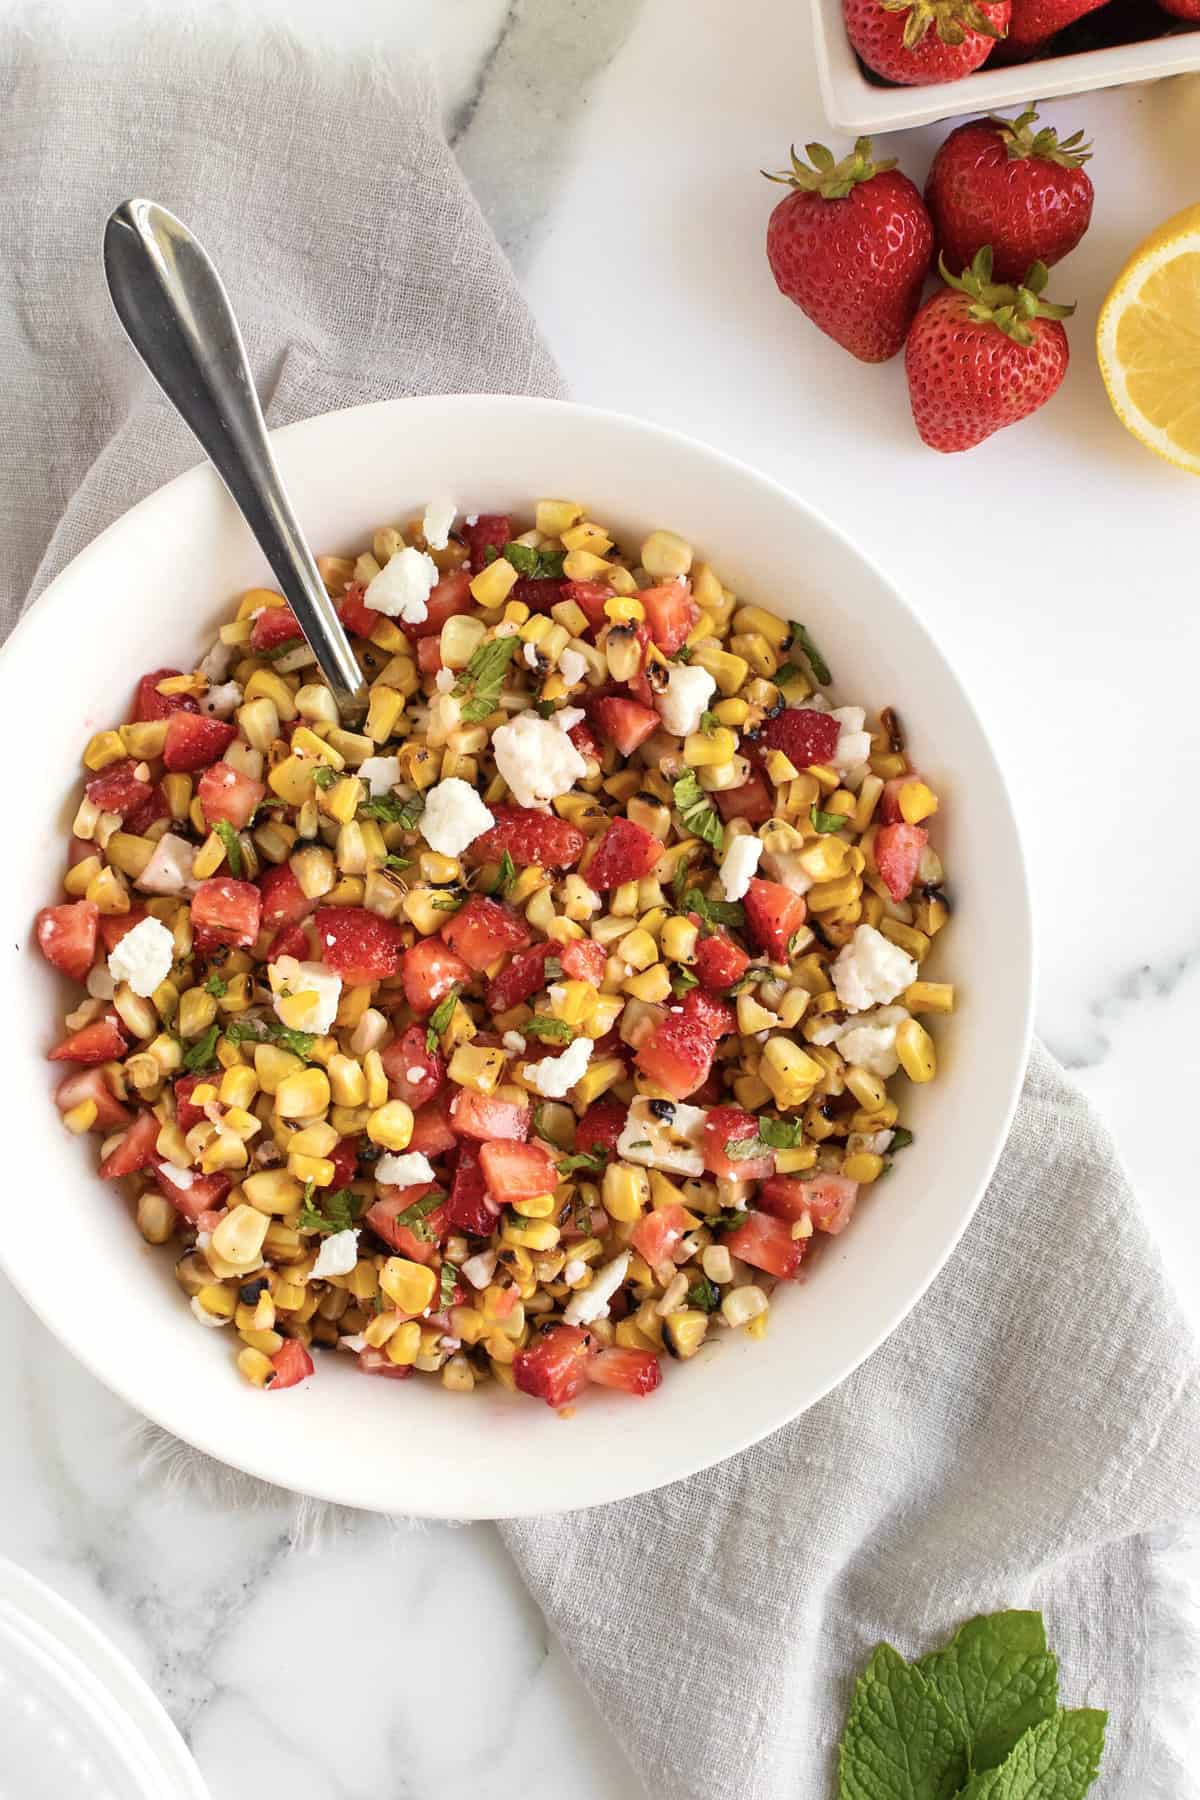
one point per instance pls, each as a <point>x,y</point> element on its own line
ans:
<point>347,1083</point>
<point>541,1206</point>
<point>238,1086</point>
<point>728,671</point>
<point>209,857</point>
<point>794,1161</point>
<point>766,624</point>
<point>316,704</point>
<point>684,1329</point>
<point>317,1169</point>
<point>622,653</point>
<point>307,743</point>
<point>265,684</point>
<point>80,876</point>
<point>224,1150</point>
<point>220,1302</point>
<point>128,852</point>
<point>391,1125</point>
<point>144,739</point>
<point>342,800</point>
<point>742,1304</point>
<point>929,996</point>
<point>706,749</point>
<point>255,1367</point>
<point>790,1074</point>
<point>273,1065</point>
<point>493,585</point>
<point>864,1166</point>
<point>419,909</point>
<point>752,1017</point>
<point>105,748</point>
<point>654,986</point>
<point>586,535</point>
<point>678,939</point>
<point>315,1140</point>
<point>553,517</point>
<point>930,914</point>
<point>793,1007</point>
<point>889,765</point>
<point>238,1237</point>
<point>156,1216</point>
<point>866,1087</point>
<point>827,896</point>
<point>625,1192</point>
<point>349,747</point>
<point>274,840</point>
<point>303,1095</point>
<point>197,1011</point>
<point>666,555</point>
<point>108,892</point>
<point>756,650</point>
<point>292,779</point>
<point>824,858</point>
<point>258,722</point>
<point>384,709</point>
<point>536,1234</point>
<point>236,997</point>
<point>917,802</point>
<point>606,1010</point>
<point>915,1048</point>
<point>624,609</point>
<point>638,949</point>
<point>914,942</point>
<point>410,1286</point>
<point>597,1078</point>
<point>480,1069</point>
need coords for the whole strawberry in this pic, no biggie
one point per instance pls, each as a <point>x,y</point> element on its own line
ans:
<point>918,41</point>
<point>1003,183</point>
<point>983,354</point>
<point>1035,22</point>
<point>850,245</point>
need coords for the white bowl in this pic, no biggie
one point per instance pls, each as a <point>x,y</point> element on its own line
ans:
<point>854,103</point>
<point>149,592</point>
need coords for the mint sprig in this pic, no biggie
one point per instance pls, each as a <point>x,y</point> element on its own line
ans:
<point>697,811</point>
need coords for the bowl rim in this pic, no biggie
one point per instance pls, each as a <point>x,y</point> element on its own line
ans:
<point>611,1486</point>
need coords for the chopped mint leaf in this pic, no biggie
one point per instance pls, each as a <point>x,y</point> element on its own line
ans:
<point>447,901</point>
<point>270,1031</point>
<point>545,709</point>
<point>713,912</point>
<point>997,1677</point>
<point>283,649</point>
<point>697,811</point>
<point>787,672</point>
<point>541,1025</point>
<point>683,654</point>
<point>414,1217</point>
<point>901,1138</point>
<point>507,875</point>
<point>816,661</point>
<point>709,723</point>
<point>439,1018</point>
<point>217,986</point>
<point>203,1053</point>
<point>591,1160</point>
<point>704,1296</point>
<point>392,861</point>
<point>780,1134</point>
<point>901,1740</point>
<point>542,565</point>
<point>448,1284</point>
<point>338,1211</point>
<point>233,849</point>
<point>390,809</point>
<point>483,677</point>
<point>824,822</point>
<point>681,981</point>
<point>324,777</point>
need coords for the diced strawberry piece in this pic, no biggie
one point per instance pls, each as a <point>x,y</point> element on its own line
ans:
<point>657,1234</point>
<point>203,1194</point>
<point>148,812</point>
<point>187,1115</point>
<point>632,1371</point>
<point>670,612</point>
<point>419,1246</point>
<point>225,793</point>
<point>450,597</point>
<point>581,736</point>
<point>829,1200</point>
<point>520,978</point>
<point>136,1150</point>
<point>717,1019</point>
<point>284,901</point>
<point>117,789</point>
<point>429,655</point>
<point>101,1041</point>
<point>483,930</point>
<point>274,626</point>
<point>626,852</point>
<point>414,1073</point>
<point>290,940</point>
<point>767,1243</point>
<point>529,837</point>
<point>432,1132</point>
<point>583,960</point>
<point>719,962</point>
<point>553,1367</point>
<point>489,530</point>
<point>291,1363</point>
<point>898,857</point>
<point>354,612</point>
<point>589,597</point>
<point>378,1362</point>
<point>518,1171</point>
<point>538,592</point>
<point>114,926</point>
<point>359,945</point>
<point>773,914</point>
<point>750,801</point>
<point>89,1084</point>
<point>429,970</point>
<point>225,911</point>
<point>66,936</point>
<point>194,741</point>
<point>889,800</point>
<point>601,1126</point>
<point>805,737</point>
<point>479,1116</point>
<point>678,1056</point>
<point>727,1125</point>
<point>344,1157</point>
<point>624,723</point>
<point>148,703</point>
<point>470,1208</point>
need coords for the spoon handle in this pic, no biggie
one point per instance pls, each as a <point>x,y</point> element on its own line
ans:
<point>173,305</point>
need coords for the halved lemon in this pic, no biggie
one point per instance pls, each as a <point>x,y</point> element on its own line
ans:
<point>1148,341</point>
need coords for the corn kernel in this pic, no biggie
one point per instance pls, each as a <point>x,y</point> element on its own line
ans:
<point>708,749</point>
<point>929,996</point>
<point>391,1125</point>
<point>303,1095</point>
<point>915,1048</point>
<point>666,555</point>
<point>410,1286</point>
<point>790,1074</point>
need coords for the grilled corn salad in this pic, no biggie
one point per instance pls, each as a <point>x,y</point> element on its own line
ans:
<point>535,1026</point>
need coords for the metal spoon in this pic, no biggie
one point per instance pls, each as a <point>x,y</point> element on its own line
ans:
<point>174,307</point>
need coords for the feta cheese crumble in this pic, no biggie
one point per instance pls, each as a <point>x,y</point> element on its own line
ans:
<point>404,1171</point>
<point>567,717</point>
<point>444,680</point>
<point>440,515</point>
<point>513,1042</point>
<point>871,1041</point>
<point>537,760</point>
<point>738,865</point>
<point>555,1076</point>
<point>685,697</point>
<point>403,586</point>
<point>854,743</point>
<point>319,986</point>
<point>870,970</point>
<point>671,1144</point>
<point>381,773</point>
<point>169,870</point>
<point>143,957</point>
<point>530,656</point>
<point>572,667</point>
<point>222,701</point>
<point>454,817</point>
<point>337,1255</point>
<point>592,1301</point>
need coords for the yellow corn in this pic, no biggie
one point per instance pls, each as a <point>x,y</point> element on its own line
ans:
<point>929,996</point>
<point>728,671</point>
<point>790,1074</point>
<point>480,1069</point>
<point>596,1079</point>
<point>302,1096</point>
<point>709,749</point>
<point>493,585</point>
<point>915,1048</point>
<point>625,1192</point>
<point>914,942</point>
<point>347,1083</point>
<point>536,1234</point>
<point>404,1344</point>
<point>666,555</point>
<point>410,1286</point>
<point>391,1125</point>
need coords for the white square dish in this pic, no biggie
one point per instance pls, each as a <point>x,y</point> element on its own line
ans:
<point>855,103</point>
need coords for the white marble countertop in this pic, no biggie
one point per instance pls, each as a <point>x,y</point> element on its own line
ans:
<point>615,144</point>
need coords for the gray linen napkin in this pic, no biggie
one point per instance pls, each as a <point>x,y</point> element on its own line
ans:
<point>1037,1417</point>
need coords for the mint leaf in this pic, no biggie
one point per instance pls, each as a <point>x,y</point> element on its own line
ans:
<point>449,1284</point>
<point>816,661</point>
<point>1056,1760</point>
<point>439,1018</point>
<point>697,811</point>
<point>506,877</point>
<point>414,1216</point>
<point>324,777</point>
<point>543,1026</point>
<point>483,677</point>
<point>901,1741</point>
<point>216,985</point>
<point>591,1160</point>
<point>542,565</point>
<point>233,850</point>
<point>681,980</point>
<point>338,1211</point>
<point>824,822</point>
<point>709,723</point>
<point>203,1053</point>
<point>998,1678</point>
<point>704,1296</point>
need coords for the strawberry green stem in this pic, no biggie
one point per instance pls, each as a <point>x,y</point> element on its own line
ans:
<point>1020,140</point>
<point>832,180</point>
<point>950,19</point>
<point>1007,306</point>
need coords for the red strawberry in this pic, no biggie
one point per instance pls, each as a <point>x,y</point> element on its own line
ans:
<point>589,597</point>
<point>414,1073</point>
<point>553,1367</point>
<point>727,1125</point>
<point>529,837</point>
<point>773,913</point>
<point>225,911</point>
<point>148,703</point>
<point>204,1193</point>
<point>429,970</point>
<point>194,742</point>
<point>418,1246</point>
<point>89,1084</point>
<point>289,940</point>
<point>519,978</point>
<point>719,962</point>
<point>359,945</point>
<point>717,1018</point>
<point>187,1114</point>
<point>601,1126</point>
<point>625,723</point>
<point>113,926</point>
<point>136,1149</point>
<point>470,1208</point>
<point>490,531</point>
<point>750,801</point>
<point>429,655</point>
<point>1000,182</point>
<point>1182,9</point>
<point>148,812</point>
<point>898,856</point>
<point>291,1364</point>
<point>657,1233</point>
<point>431,1133</point>
<point>670,610</point>
<point>626,852</point>
<point>678,1055</point>
<point>226,793</point>
<point>482,930</point>
<point>479,1116</point>
<point>850,245</point>
<point>518,1171</point>
<point>767,1243</point>
<point>1035,22</point>
<point>632,1371</point>
<point>829,1200</point>
<point>284,901</point>
<point>66,936</point>
<point>451,596</point>
<point>101,1041</point>
<point>355,614</point>
<point>117,789</point>
<point>805,736</point>
<point>919,41</point>
<point>274,626</point>
<point>583,960</point>
<point>982,355</point>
